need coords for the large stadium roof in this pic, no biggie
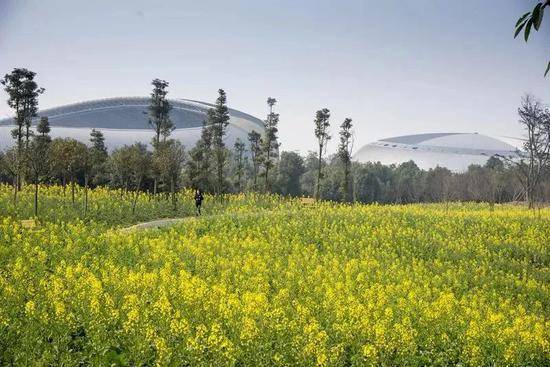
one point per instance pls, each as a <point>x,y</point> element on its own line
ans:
<point>124,120</point>
<point>129,113</point>
<point>455,151</point>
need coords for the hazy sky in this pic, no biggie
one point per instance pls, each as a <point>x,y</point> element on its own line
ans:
<point>395,67</point>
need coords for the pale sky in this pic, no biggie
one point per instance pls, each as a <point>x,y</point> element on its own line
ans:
<point>394,67</point>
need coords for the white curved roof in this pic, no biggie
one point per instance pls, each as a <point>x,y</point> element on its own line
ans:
<point>124,120</point>
<point>455,151</point>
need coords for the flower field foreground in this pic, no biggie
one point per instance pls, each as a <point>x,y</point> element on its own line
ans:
<point>113,207</point>
<point>294,286</point>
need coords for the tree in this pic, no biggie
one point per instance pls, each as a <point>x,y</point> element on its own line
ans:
<point>69,158</point>
<point>9,164</point>
<point>159,118</point>
<point>43,127</point>
<point>494,163</point>
<point>37,157</point>
<point>535,157</point>
<point>198,166</point>
<point>98,158</point>
<point>437,185</point>
<point>159,111</point>
<point>139,164</point>
<point>366,184</point>
<point>498,178</point>
<point>532,19</point>
<point>322,125</point>
<point>270,145</point>
<point>256,142</point>
<point>23,92</point>
<point>406,184</point>
<point>308,180</point>
<point>121,174</point>
<point>3,169</point>
<point>345,150</point>
<point>86,167</point>
<point>239,149</point>
<point>218,120</point>
<point>130,164</point>
<point>373,182</point>
<point>169,161</point>
<point>291,169</point>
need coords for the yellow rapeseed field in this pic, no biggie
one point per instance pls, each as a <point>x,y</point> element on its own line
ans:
<point>268,281</point>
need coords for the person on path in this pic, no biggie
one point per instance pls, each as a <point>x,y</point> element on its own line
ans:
<point>198,201</point>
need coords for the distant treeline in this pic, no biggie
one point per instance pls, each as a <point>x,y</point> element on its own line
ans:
<point>258,164</point>
<point>132,167</point>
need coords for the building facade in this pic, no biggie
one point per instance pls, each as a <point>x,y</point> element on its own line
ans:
<point>455,151</point>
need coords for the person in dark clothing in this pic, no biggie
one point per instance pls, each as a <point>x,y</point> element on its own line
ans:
<point>198,201</point>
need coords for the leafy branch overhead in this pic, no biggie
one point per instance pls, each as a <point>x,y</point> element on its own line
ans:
<point>532,19</point>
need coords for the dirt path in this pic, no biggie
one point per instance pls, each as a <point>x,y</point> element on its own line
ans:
<point>167,222</point>
<point>159,223</point>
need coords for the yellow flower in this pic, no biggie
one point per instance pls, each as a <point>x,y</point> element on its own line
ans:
<point>30,308</point>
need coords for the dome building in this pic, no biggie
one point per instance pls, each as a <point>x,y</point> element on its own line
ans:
<point>125,120</point>
<point>455,151</point>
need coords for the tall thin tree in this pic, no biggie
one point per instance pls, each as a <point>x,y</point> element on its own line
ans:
<point>322,125</point>
<point>270,146</point>
<point>23,93</point>
<point>170,162</point>
<point>198,166</point>
<point>256,142</point>
<point>345,150</point>
<point>218,120</point>
<point>98,157</point>
<point>159,117</point>
<point>37,157</point>
<point>239,149</point>
<point>534,159</point>
<point>159,110</point>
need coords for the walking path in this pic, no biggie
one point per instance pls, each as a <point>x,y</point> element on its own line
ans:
<point>167,222</point>
<point>159,223</point>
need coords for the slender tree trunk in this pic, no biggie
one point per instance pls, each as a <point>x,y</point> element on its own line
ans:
<point>530,197</point>
<point>267,177</point>
<point>220,171</point>
<point>173,190</point>
<point>64,184</point>
<point>155,182</point>
<point>346,183</point>
<point>239,178</point>
<point>136,196</point>
<point>15,190</point>
<point>267,164</point>
<point>72,190</point>
<point>19,154</point>
<point>36,197</point>
<point>85,195</point>
<point>318,186</point>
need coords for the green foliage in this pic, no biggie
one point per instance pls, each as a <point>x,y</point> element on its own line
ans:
<point>270,145</point>
<point>532,19</point>
<point>217,121</point>
<point>159,110</point>
<point>291,167</point>
<point>240,162</point>
<point>256,142</point>
<point>345,149</point>
<point>322,134</point>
